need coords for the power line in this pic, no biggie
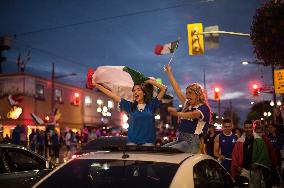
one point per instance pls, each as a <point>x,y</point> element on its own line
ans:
<point>102,19</point>
<point>53,54</point>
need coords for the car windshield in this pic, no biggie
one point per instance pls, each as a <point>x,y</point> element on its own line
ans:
<point>112,173</point>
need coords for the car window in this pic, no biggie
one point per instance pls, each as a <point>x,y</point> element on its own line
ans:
<point>209,173</point>
<point>112,173</point>
<point>21,160</point>
<point>2,165</point>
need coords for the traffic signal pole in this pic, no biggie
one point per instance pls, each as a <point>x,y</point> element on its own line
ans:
<point>226,32</point>
<point>274,95</point>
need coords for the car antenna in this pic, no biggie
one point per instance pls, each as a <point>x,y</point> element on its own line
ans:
<point>125,155</point>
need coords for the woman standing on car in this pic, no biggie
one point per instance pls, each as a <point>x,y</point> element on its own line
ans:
<point>141,112</point>
<point>194,117</point>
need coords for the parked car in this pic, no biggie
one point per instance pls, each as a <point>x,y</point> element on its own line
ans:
<point>20,167</point>
<point>137,166</point>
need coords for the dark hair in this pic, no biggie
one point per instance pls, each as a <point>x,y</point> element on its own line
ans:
<point>248,122</point>
<point>148,90</point>
<point>237,128</point>
<point>227,121</point>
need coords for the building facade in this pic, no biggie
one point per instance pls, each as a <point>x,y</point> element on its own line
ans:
<point>76,107</point>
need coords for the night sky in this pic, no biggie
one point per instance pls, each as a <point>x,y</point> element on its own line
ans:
<point>76,35</point>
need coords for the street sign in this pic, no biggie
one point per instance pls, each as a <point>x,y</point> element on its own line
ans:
<point>279,81</point>
<point>211,39</point>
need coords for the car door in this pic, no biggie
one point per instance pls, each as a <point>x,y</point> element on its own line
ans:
<point>20,168</point>
<point>209,173</point>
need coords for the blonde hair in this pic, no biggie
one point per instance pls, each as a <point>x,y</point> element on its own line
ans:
<point>198,90</point>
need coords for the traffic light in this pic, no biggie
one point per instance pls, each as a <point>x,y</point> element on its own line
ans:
<point>76,99</point>
<point>195,39</point>
<point>255,90</point>
<point>217,94</point>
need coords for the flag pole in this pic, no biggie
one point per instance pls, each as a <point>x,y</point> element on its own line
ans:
<point>174,51</point>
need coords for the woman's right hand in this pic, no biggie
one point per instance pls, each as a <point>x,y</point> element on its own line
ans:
<point>167,68</point>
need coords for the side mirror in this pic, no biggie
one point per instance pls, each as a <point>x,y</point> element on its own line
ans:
<point>241,181</point>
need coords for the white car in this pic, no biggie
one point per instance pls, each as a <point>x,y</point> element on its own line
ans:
<point>136,166</point>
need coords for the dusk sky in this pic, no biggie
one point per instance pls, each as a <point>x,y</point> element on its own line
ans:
<point>77,35</point>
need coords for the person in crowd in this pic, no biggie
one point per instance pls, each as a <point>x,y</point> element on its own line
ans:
<point>68,144</point>
<point>16,135</point>
<point>7,139</point>
<point>40,142</point>
<point>209,141</point>
<point>32,140</point>
<point>224,144</point>
<point>141,112</point>
<point>271,178</point>
<point>237,131</point>
<point>55,146</point>
<point>194,117</point>
<point>276,141</point>
<point>249,153</point>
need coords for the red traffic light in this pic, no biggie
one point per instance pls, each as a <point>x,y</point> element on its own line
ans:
<point>255,90</point>
<point>217,95</point>
<point>217,89</point>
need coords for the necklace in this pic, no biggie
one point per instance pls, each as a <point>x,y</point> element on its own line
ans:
<point>141,107</point>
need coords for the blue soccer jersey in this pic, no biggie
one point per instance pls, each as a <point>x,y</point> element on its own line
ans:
<point>141,123</point>
<point>196,126</point>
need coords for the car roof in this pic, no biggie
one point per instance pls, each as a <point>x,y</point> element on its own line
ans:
<point>167,157</point>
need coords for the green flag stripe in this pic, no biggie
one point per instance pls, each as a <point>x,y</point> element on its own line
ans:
<point>174,46</point>
<point>136,76</point>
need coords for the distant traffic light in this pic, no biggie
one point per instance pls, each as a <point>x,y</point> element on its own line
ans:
<point>255,90</point>
<point>195,39</point>
<point>217,94</point>
<point>76,99</point>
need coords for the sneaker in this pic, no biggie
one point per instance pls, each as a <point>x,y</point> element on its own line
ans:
<point>89,83</point>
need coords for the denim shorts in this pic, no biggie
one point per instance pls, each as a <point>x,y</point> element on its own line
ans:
<point>186,142</point>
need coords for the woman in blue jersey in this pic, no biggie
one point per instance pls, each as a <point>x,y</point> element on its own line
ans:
<point>194,118</point>
<point>141,112</point>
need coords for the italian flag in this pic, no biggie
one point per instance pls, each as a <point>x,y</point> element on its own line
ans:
<point>166,48</point>
<point>118,79</point>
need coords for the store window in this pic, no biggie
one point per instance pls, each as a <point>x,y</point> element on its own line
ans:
<point>58,95</point>
<point>88,101</point>
<point>39,91</point>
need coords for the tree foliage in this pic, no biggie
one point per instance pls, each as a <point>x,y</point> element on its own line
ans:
<point>267,33</point>
<point>256,111</point>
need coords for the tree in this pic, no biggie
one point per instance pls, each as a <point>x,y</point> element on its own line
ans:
<point>267,33</point>
<point>256,111</point>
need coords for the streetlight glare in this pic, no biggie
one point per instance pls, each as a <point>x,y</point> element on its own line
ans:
<point>77,94</point>
<point>244,62</point>
<point>99,101</point>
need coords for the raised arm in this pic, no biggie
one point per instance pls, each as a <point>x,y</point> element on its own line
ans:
<point>109,93</point>
<point>162,87</point>
<point>174,84</point>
